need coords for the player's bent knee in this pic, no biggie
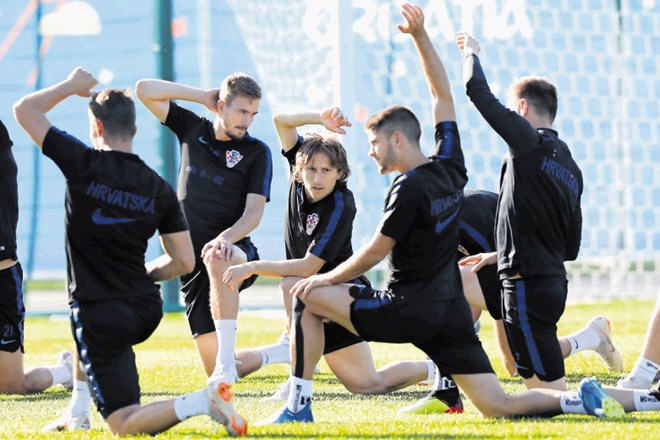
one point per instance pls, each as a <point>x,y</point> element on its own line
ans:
<point>287,283</point>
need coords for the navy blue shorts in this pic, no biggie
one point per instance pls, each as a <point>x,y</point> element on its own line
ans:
<point>532,308</point>
<point>337,337</point>
<point>443,330</point>
<point>105,332</point>
<point>12,309</point>
<point>196,286</point>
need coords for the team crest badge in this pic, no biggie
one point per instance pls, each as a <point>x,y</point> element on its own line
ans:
<point>233,157</point>
<point>312,221</point>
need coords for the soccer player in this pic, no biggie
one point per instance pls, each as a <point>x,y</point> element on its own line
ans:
<point>539,219</point>
<point>319,226</point>
<point>14,380</point>
<point>482,290</point>
<point>224,184</point>
<point>114,204</point>
<point>647,366</point>
<point>424,303</point>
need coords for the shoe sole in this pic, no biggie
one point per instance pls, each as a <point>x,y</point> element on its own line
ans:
<point>235,424</point>
<point>610,409</point>
<point>612,357</point>
<point>431,408</point>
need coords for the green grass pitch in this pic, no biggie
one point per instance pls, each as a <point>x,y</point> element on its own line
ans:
<point>169,366</point>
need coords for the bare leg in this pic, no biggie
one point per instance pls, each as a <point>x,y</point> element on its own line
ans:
<point>150,419</point>
<point>224,307</point>
<point>647,365</point>
<point>487,395</point>
<point>207,347</point>
<point>247,362</point>
<point>652,344</point>
<point>14,381</point>
<point>354,367</point>
<point>505,350</point>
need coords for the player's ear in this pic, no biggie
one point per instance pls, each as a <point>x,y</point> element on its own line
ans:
<point>398,138</point>
<point>98,127</point>
<point>523,107</point>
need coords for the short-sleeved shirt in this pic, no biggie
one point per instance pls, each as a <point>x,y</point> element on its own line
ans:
<point>477,223</point>
<point>422,214</point>
<point>323,228</point>
<point>539,218</point>
<point>114,204</point>
<point>8,197</point>
<point>215,176</point>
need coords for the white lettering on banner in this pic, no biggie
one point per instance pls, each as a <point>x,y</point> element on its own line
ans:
<point>502,19</point>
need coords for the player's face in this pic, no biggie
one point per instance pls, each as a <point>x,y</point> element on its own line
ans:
<point>319,177</point>
<point>236,117</point>
<point>382,151</point>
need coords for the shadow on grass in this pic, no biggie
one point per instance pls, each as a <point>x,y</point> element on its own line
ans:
<point>45,396</point>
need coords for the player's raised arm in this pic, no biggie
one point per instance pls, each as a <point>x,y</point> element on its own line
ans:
<point>436,76</point>
<point>287,121</point>
<point>156,95</point>
<point>30,111</point>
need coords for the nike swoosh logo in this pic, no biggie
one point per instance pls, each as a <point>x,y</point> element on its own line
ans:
<point>5,342</point>
<point>100,219</point>
<point>202,140</point>
<point>443,224</point>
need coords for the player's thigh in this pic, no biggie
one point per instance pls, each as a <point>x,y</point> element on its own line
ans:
<point>354,367</point>
<point>471,287</point>
<point>332,303</point>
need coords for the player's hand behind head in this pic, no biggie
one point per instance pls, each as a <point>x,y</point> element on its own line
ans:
<point>82,82</point>
<point>467,43</point>
<point>333,119</point>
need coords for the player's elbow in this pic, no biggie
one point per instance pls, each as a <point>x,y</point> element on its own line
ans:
<point>148,90</point>
<point>142,89</point>
<point>183,263</point>
<point>188,263</point>
<point>21,111</point>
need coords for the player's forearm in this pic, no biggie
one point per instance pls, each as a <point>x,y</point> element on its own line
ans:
<point>287,122</point>
<point>283,268</point>
<point>358,264</point>
<point>436,75</point>
<point>165,268</point>
<point>161,90</point>
<point>247,223</point>
<point>293,119</point>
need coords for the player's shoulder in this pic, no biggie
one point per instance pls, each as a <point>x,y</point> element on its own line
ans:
<point>255,142</point>
<point>343,196</point>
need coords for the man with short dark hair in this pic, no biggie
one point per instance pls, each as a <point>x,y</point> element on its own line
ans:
<point>539,219</point>
<point>114,204</point>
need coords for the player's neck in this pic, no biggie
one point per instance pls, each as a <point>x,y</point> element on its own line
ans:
<point>412,161</point>
<point>114,145</point>
<point>219,130</point>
